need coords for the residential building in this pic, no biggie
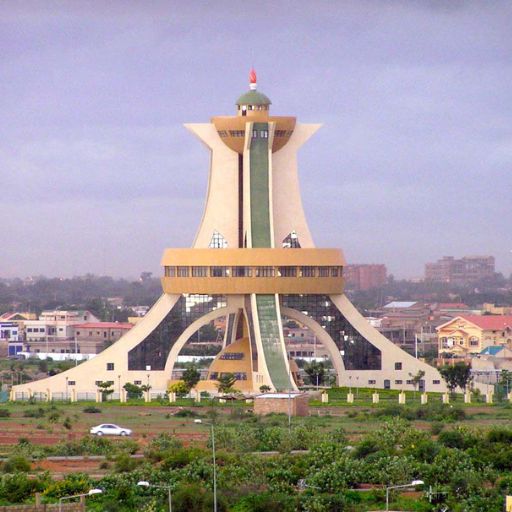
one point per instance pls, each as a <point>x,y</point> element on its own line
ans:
<point>470,334</point>
<point>365,276</point>
<point>461,271</point>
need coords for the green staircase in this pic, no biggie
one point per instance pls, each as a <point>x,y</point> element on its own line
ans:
<point>271,340</point>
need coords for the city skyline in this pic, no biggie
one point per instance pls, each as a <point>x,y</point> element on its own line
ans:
<point>413,158</point>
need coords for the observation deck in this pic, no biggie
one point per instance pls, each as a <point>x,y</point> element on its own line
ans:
<point>247,271</point>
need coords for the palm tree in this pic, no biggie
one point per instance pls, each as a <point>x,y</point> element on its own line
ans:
<point>226,383</point>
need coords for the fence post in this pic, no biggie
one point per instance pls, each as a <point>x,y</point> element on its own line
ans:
<point>401,398</point>
<point>350,398</point>
<point>424,398</point>
<point>375,398</point>
<point>446,398</point>
<point>198,395</point>
<point>467,397</point>
<point>172,397</point>
<point>147,396</point>
<point>99,396</point>
<point>48,395</point>
<point>325,398</point>
<point>488,397</point>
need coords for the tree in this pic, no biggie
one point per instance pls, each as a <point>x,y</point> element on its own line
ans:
<point>133,390</point>
<point>416,379</point>
<point>316,372</point>
<point>106,388</point>
<point>180,388</point>
<point>191,376</point>
<point>457,375</point>
<point>264,388</point>
<point>226,383</point>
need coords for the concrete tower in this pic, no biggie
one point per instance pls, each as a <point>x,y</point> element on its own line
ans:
<point>253,261</point>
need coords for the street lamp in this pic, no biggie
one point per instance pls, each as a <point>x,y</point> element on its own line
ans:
<point>414,483</point>
<point>89,493</point>
<point>214,465</point>
<point>143,483</point>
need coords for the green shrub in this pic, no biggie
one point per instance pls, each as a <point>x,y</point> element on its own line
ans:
<point>123,463</point>
<point>16,464</point>
<point>75,483</point>
<point>18,487</point>
<point>4,413</point>
<point>436,428</point>
<point>34,413</point>
<point>266,502</point>
<point>499,435</point>
<point>186,413</point>
<point>91,409</point>
<point>67,423</point>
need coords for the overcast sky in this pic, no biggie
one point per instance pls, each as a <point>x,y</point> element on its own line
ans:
<point>98,175</point>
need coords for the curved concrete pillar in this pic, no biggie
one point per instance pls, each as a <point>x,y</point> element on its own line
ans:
<point>190,330</point>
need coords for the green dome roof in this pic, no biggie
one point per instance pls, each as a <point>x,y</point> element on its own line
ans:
<point>253,98</point>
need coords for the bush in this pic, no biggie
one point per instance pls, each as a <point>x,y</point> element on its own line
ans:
<point>75,483</point>
<point>499,435</point>
<point>91,409</point>
<point>16,464</point>
<point>436,428</point>
<point>34,413</point>
<point>194,498</point>
<point>266,501</point>
<point>124,463</point>
<point>186,413</point>
<point>4,413</point>
<point>18,487</point>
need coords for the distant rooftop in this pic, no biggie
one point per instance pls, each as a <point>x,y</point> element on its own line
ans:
<point>104,325</point>
<point>400,304</point>
<point>492,350</point>
<point>489,322</point>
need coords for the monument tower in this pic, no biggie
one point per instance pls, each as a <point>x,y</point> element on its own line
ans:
<point>253,262</point>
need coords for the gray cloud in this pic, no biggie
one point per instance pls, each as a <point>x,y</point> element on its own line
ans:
<point>413,161</point>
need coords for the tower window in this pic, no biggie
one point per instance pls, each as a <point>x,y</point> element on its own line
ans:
<point>217,241</point>
<point>182,271</point>
<point>307,271</point>
<point>264,272</point>
<point>199,271</point>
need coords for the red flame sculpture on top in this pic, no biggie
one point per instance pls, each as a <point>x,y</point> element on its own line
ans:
<point>252,76</point>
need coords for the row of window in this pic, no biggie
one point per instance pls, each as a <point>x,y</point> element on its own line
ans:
<point>232,356</point>
<point>62,350</point>
<point>238,375</point>
<point>372,382</point>
<point>252,107</point>
<point>261,134</point>
<point>216,271</point>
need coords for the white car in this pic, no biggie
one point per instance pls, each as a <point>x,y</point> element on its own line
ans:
<point>109,429</point>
